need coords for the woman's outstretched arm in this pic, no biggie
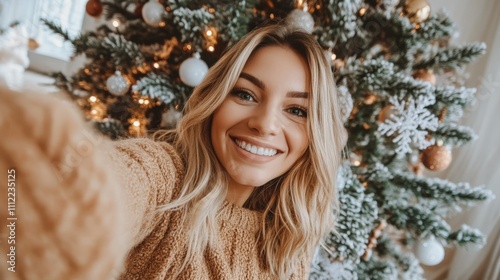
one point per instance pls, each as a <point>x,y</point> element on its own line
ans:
<point>73,203</point>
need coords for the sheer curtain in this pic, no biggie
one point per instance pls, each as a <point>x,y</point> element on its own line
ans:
<point>479,161</point>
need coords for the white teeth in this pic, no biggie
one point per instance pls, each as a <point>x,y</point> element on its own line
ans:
<point>256,150</point>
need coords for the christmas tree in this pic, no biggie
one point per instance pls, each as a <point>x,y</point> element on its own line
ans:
<point>400,80</point>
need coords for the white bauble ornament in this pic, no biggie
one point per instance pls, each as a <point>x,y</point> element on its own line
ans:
<point>152,12</point>
<point>118,84</point>
<point>301,19</point>
<point>170,118</point>
<point>193,70</point>
<point>429,251</point>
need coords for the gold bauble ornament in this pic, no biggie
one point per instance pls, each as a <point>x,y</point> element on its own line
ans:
<point>425,75</point>
<point>436,158</point>
<point>385,113</point>
<point>417,10</point>
<point>33,44</point>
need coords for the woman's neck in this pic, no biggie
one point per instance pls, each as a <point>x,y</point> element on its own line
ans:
<point>237,194</point>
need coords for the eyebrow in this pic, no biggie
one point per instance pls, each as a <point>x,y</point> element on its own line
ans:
<point>262,86</point>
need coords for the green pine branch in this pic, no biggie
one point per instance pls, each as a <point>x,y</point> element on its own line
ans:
<point>57,29</point>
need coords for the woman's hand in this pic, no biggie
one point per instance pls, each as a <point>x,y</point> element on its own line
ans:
<point>63,203</point>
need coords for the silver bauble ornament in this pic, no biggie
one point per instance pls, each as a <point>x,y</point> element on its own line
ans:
<point>301,19</point>
<point>118,84</point>
<point>152,12</point>
<point>193,70</point>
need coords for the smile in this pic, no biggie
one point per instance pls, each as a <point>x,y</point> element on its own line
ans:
<point>254,149</point>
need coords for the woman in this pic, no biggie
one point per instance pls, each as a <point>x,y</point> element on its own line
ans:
<point>246,191</point>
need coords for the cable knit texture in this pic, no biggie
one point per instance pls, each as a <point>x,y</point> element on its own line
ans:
<point>85,206</point>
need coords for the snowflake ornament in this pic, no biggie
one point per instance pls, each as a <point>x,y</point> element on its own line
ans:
<point>410,122</point>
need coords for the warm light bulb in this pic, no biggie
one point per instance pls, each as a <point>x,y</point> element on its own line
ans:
<point>209,33</point>
<point>137,123</point>
<point>362,11</point>
<point>93,112</point>
<point>93,98</point>
<point>141,101</point>
<point>211,49</point>
<point>333,57</point>
<point>357,163</point>
<point>146,102</point>
<point>116,23</point>
<point>271,16</point>
<point>156,65</point>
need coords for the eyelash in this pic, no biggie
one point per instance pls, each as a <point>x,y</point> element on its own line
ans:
<point>240,93</point>
<point>302,114</point>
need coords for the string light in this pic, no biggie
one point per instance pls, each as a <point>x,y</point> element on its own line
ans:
<point>209,32</point>
<point>156,65</point>
<point>271,16</point>
<point>211,49</point>
<point>333,56</point>
<point>115,23</point>
<point>362,11</point>
<point>136,123</point>
<point>93,98</point>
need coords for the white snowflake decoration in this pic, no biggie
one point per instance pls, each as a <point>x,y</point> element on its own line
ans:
<point>410,122</point>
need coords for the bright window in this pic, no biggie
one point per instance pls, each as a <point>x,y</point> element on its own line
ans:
<point>52,51</point>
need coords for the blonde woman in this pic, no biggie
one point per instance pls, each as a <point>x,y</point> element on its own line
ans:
<point>244,190</point>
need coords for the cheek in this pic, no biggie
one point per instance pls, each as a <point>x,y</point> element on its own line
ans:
<point>299,140</point>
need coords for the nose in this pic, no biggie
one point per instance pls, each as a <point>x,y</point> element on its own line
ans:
<point>265,121</point>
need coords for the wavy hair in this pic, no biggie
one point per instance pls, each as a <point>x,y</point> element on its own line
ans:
<point>298,207</point>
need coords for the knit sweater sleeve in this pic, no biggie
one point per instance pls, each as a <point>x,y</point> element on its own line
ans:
<point>149,173</point>
<point>77,202</point>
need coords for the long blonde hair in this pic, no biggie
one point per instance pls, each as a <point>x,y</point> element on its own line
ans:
<point>298,206</point>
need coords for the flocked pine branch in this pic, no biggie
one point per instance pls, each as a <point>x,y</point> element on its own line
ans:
<point>191,24</point>
<point>410,266</point>
<point>466,236</point>
<point>450,95</point>
<point>418,220</point>
<point>156,86</point>
<point>453,57</point>
<point>358,212</point>
<point>342,21</point>
<point>454,135</point>
<point>376,268</point>
<point>437,27</point>
<point>443,191</point>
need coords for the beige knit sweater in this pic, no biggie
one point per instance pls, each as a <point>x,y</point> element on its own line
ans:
<point>85,206</point>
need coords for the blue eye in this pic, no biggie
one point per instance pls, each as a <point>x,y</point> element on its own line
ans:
<point>243,95</point>
<point>298,111</point>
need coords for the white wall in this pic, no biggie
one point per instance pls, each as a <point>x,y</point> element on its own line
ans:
<point>477,162</point>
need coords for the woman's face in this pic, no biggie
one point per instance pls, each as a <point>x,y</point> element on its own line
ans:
<point>259,131</point>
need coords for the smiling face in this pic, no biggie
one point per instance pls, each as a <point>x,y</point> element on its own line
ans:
<point>260,130</point>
